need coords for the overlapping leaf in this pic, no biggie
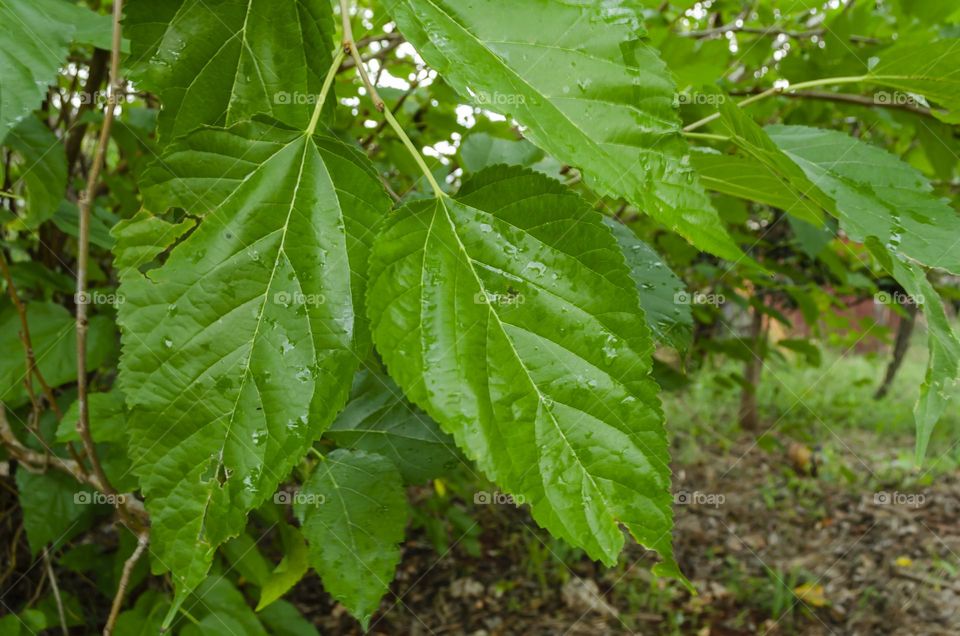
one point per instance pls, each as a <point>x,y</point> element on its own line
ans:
<point>379,420</point>
<point>589,91</point>
<point>509,315</point>
<point>353,512</point>
<point>743,177</point>
<point>669,319</point>
<point>931,69</point>
<point>876,194</point>
<point>42,169</point>
<point>219,62</point>
<point>239,349</point>
<point>943,365</point>
<point>889,205</point>
<point>33,45</point>
<point>777,171</point>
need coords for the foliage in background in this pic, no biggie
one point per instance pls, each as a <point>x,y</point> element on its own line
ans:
<point>478,236</point>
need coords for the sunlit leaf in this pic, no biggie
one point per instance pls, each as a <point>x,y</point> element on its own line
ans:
<point>586,87</point>
<point>239,349</point>
<point>221,62</point>
<point>509,315</point>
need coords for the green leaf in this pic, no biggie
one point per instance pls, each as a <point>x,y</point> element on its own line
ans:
<point>584,85</point>
<point>42,170</point>
<point>221,62</point>
<point>810,239</point>
<point>803,199</point>
<point>245,558</point>
<point>107,419</point>
<point>283,619</point>
<point>142,238</point>
<point>239,349</point>
<point>877,195</point>
<point>146,617</point>
<point>55,508</point>
<point>33,45</point>
<point>290,569</point>
<point>742,177</point>
<point>90,28</point>
<point>482,150</point>
<point>931,69</point>
<point>30,621</point>
<point>379,420</point>
<point>222,611</point>
<point>508,314</point>
<point>353,512</point>
<point>806,348</point>
<point>670,321</point>
<point>67,220</point>
<point>54,339</point>
<point>108,427</point>
<point>943,364</point>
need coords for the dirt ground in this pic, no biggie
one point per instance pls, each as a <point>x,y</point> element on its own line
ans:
<point>867,546</point>
<point>770,549</point>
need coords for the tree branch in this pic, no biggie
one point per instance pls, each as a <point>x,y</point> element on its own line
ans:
<point>848,98</point>
<point>55,588</point>
<point>727,28</point>
<point>29,356</point>
<point>142,540</point>
<point>131,509</point>
<point>83,253</point>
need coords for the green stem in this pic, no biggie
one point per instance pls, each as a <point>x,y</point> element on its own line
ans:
<point>327,83</point>
<point>776,91</point>
<point>378,102</point>
<point>318,454</point>
<point>437,190</point>
<point>190,617</point>
<point>706,136</point>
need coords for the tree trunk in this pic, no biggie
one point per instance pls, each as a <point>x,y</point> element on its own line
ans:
<point>900,346</point>
<point>749,420</point>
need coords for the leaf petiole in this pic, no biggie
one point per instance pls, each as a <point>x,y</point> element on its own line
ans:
<point>325,89</point>
<point>777,90</point>
<point>706,136</point>
<point>348,45</point>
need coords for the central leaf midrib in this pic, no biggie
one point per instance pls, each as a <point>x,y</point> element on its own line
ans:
<point>256,332</point>
<point>542,402</point>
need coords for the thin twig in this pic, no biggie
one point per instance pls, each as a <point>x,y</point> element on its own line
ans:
<point>773,30</point>
<point>379,54</point>
<point>32,368</point>
<point>132,511</point>
<point>142,540</point>
<point>56,592</point>
<point>849,98</point>
<point>83,251</point>
<point>779,90</point>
